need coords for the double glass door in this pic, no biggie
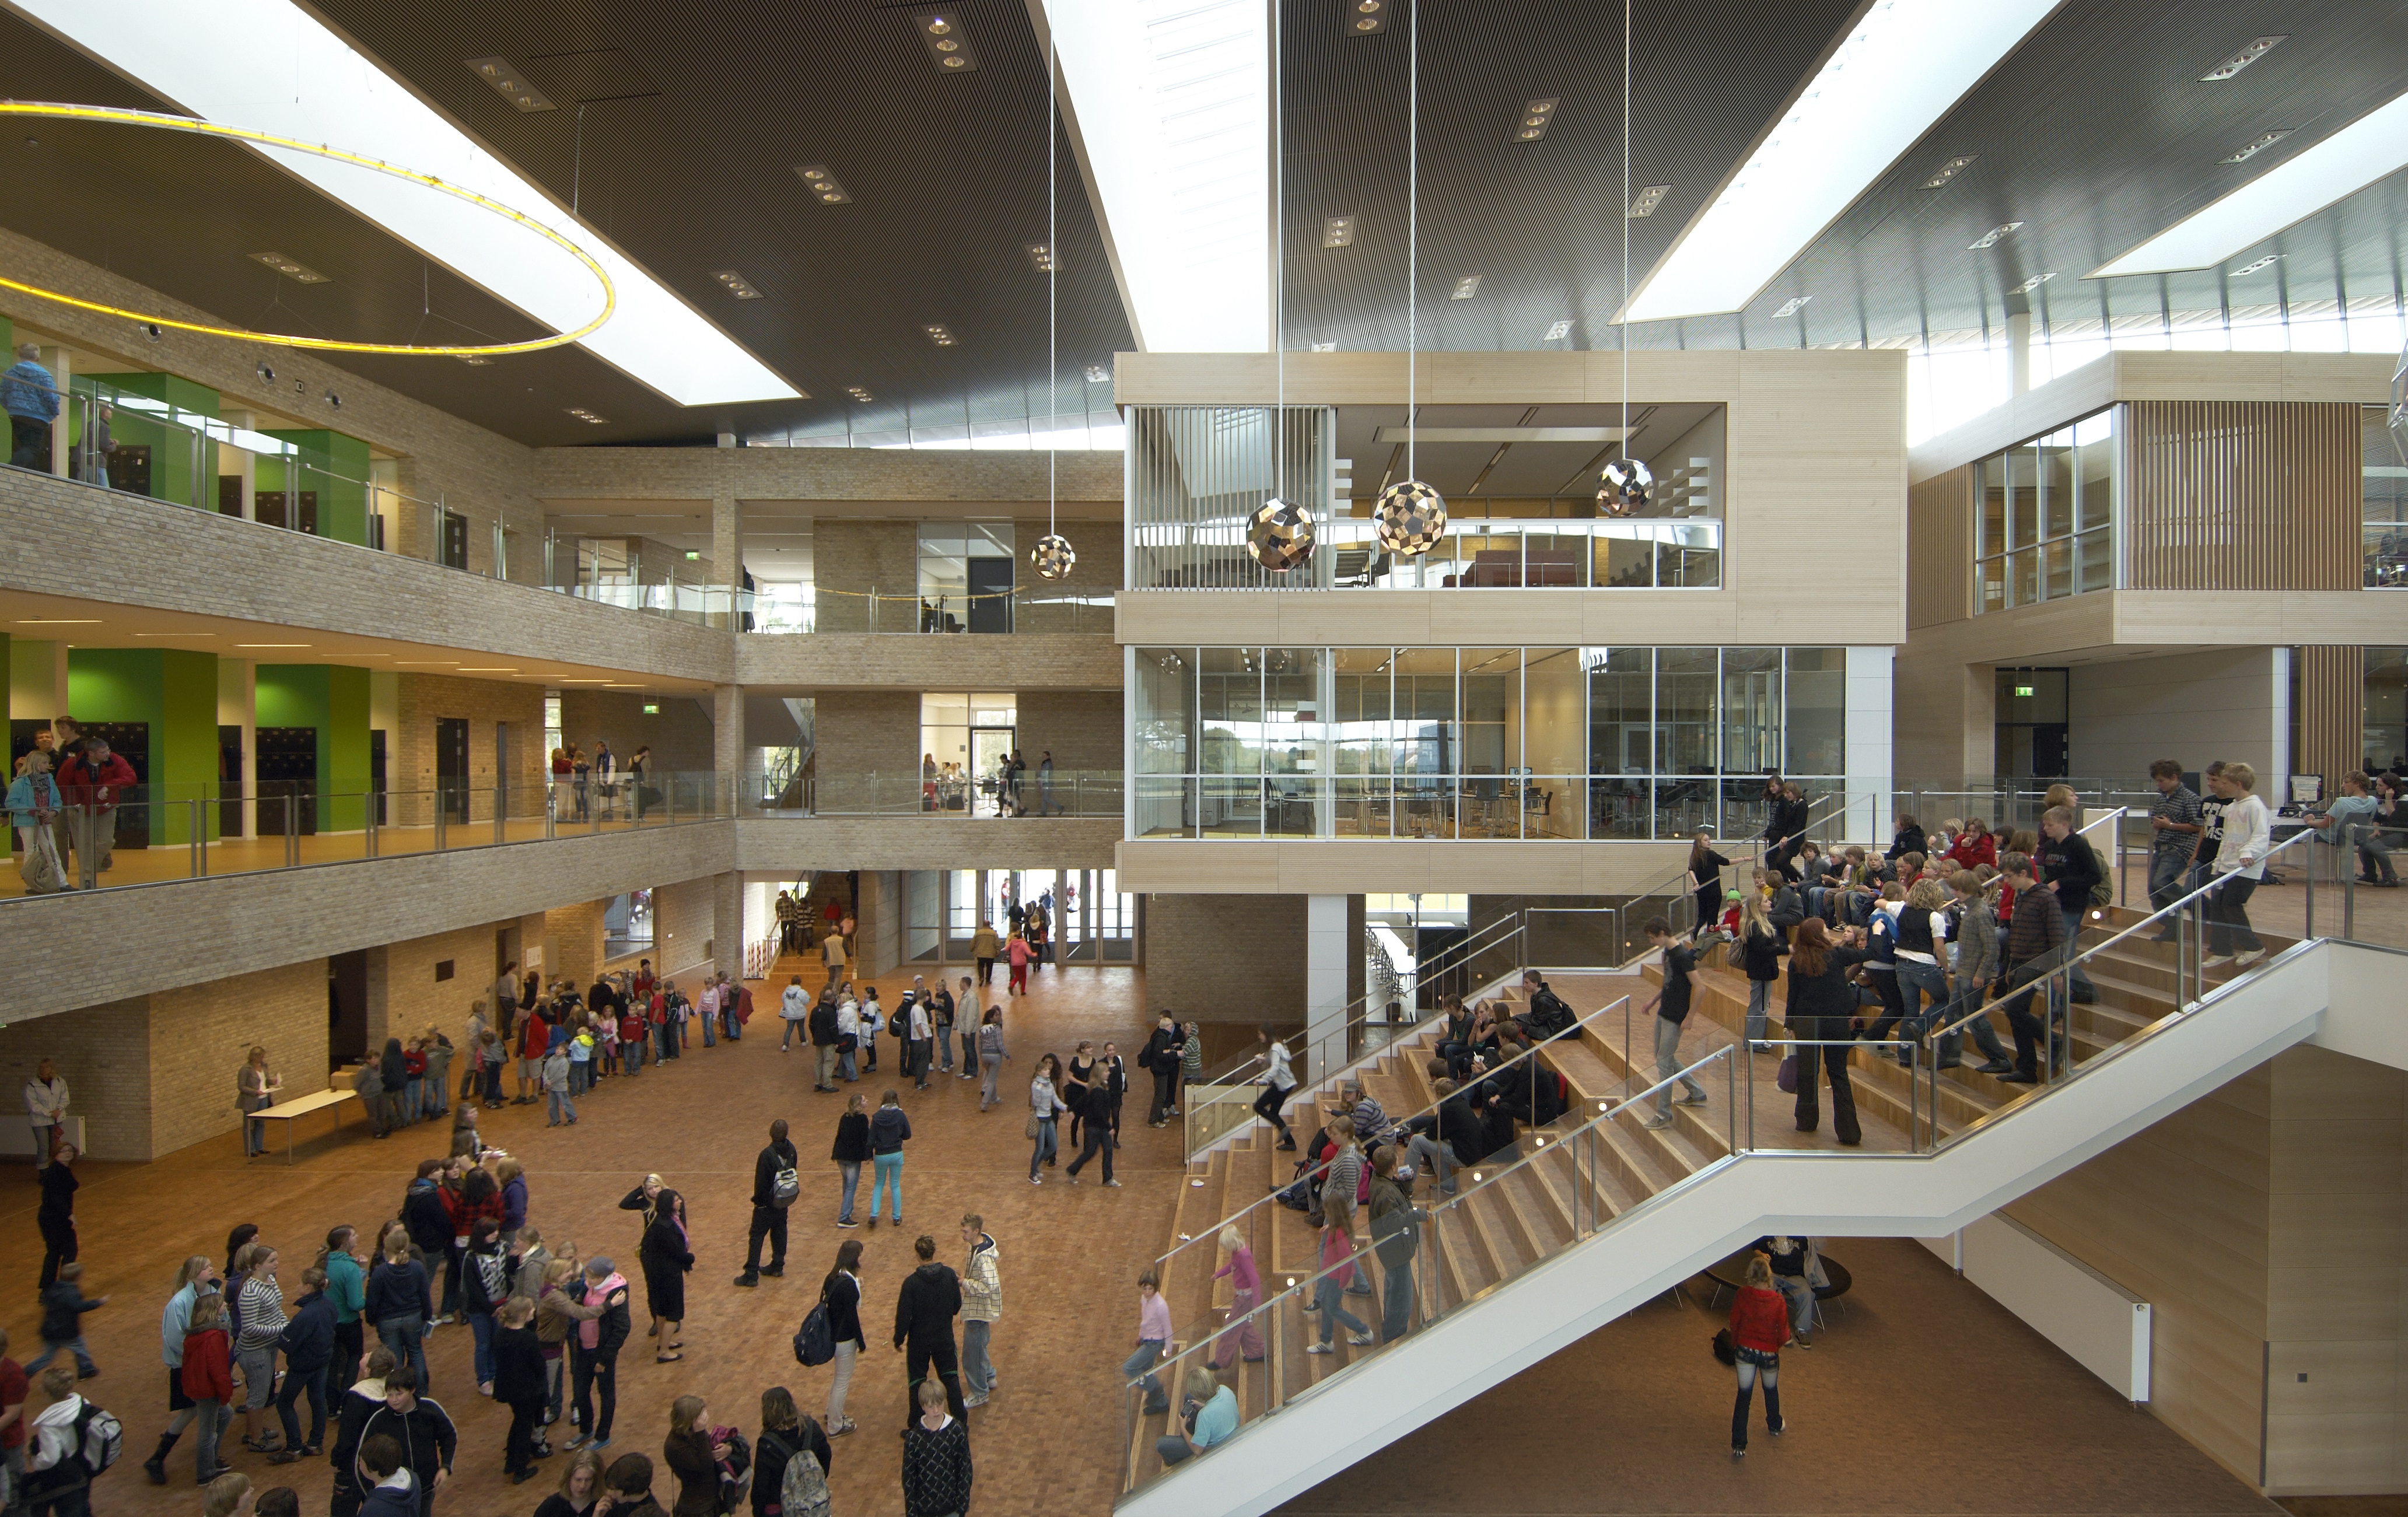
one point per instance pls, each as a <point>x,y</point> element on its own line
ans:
<point>1093,921</point>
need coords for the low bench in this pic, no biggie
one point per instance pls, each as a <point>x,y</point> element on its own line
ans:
<point>302,1106</point>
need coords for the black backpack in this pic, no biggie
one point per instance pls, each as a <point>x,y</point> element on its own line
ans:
<point>1549,1017</point>
<point>815,1340</point>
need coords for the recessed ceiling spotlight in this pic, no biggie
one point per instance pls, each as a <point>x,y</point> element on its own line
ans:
<point>1365,17</point>
<point>1466,287</point>
<point>822,185</point>
<point>1791,306</point>
<point>473,361</point>
<point>1990,238</point>
<point>2243,59</point>
<point>857,393</point>
<point>586,416</point>
<point>291,268</point>
<point>1040,257</point>
<point>941,29</point>
<point>510,83</point>
<point>1559,330</point>
<point>736,284</point>
<point>1338,232</point>
<point>1098,374</point>
<point>939,334</point>
<point>1324,347</point>
<point>2034,282</point>
<point>1950,169</point>
<point>2260,145</point>
<point>1535,119</point>
<point>1645,204</point>
<point>2255,264</point>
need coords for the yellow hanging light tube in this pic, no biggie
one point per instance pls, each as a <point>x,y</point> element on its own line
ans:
<point>115,116</point>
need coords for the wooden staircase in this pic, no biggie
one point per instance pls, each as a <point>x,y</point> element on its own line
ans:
<point>1488,1233</point>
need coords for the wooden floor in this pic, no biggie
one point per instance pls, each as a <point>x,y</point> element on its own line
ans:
<point>1069,1258</point>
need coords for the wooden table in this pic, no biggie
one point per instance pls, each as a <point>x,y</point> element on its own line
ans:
<point>302,1106</point>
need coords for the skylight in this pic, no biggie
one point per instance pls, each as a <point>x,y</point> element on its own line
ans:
<point>2365,151</point>
<point>268,63</point>
<point>1904,67</point>
<point>1172,100</point>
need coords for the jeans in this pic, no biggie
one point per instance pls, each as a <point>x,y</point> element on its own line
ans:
<point>844,1064</point>
<point>945,1049</point>
<point>850,1170</point>
<point>297,1383</point>
<point>481,1327</point>
<point>887,1169</point>
<point>2166,872</point>
<point>710,1039</point>
<point>1044,1148</point>
<point>2227,916</point>
<point>970,1052</point>
<point>1395,1300</point>
<point>2075,911</point>
<point>1801,1296</point>
<point>1759,1006</point>
<point>1748,1375</point>
<point>1173,1449</point>
<point>1149,1354</point>
<point>1667,1064</point>
<point>413,1100</point>
<point>824,1066</point>
<point>1329,1295</point>
<point>1985,1037</point>
<point>555,1381</point>
<point>977,1370</point>
<point>209,1424</point>
<point>2030,1031</point>
<point>406,1337</point>
<point>1441,1159</point>
<point>632,1055</point>
<point>85,1368</point>
<point>254,1134</point>
<point>562,1108</point>
<point>591,1369</point>
<point>990,1064</point>
<point>1920,985</point>
<point>1098,1140</point>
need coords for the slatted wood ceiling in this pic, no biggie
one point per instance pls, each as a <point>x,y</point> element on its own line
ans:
<point>2242,495</point>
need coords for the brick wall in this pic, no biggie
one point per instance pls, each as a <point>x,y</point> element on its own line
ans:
<point>683,920</point>
<point>787,848</point>
<point>865,731</point>
<point>878,934</point>
<point>425,699</point>
<point>679,735</point>
<point>573,940</point>
<point>850,559</point>
<point>1023,661</point>
<point>1082,727</point>
<point>1226,958</point>
<point>103,1053</point>
<point>199,1037</point>
<point>1003,482</point>
<point>1097,574</point>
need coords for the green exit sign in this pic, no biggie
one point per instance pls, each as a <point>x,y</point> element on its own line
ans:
<point>2020,690</point>
<point>653,707</point>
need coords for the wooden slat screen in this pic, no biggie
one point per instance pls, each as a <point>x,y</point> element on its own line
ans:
<point>1939,548</point>
<point>2242,495</point>
<point>2332,694</point>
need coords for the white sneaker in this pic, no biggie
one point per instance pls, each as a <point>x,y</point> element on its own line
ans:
<point>1361,1341</point>
<point>2216,960</point>
<point>1319,1348</point>
<point>2244,960</point>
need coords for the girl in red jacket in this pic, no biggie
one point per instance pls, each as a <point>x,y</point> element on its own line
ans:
<point>207,1381</point>
<point>1759,1324</point>
<point>1975,847</point>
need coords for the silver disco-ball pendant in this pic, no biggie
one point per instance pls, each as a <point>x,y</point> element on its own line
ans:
<point>1623,487</point>
<point>1281,534</point>
<point>1410,519</point>
<point>1053,557</point>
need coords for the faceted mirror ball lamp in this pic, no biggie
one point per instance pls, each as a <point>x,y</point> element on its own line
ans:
<point>1281,534</point>
<point>1623,486</point>
<point>1053,557</point>
<point>1410,519</point>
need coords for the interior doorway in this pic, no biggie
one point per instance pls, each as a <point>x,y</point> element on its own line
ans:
<point>452,765</point>
<point>347,1007</point>
<point>2033,735</point>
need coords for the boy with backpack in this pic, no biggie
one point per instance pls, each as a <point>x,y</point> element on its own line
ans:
<point>73,1441</point>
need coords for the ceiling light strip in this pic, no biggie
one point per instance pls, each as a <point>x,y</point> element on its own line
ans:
<point>1897,72</point>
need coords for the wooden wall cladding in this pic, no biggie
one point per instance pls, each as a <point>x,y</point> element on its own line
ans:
<point>2332,699</point>
<point>1939,548</point>
<point>2242,495</point>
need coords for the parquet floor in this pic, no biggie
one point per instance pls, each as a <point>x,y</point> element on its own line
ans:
<point>1046,1441</point>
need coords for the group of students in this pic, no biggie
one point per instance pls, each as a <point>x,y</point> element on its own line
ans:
<point>63,796</point>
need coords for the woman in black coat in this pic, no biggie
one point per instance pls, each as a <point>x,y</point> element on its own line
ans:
<point>1706,869</point>
<point>665,1255</point>
<point>1821,1002</point>
<point>395,1075</point>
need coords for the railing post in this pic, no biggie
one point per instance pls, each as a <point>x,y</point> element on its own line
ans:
<point>2311,856</point>
<point>501,808</point>
<point>442,818</point>
<point>200,842</point>
<point>370,824</point>
<point>292,831</point>
<point>2349,880</point>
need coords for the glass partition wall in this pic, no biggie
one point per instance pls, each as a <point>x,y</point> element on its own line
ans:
<point>1564,743</point>
<point>2044,526</point>
<point>2384,493</point>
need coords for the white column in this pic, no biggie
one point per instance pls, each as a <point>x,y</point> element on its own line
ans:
<point>57,361</point>
<point>2019,350</point>
<point>250,468</point>
<point>1870,715</point>
<point>1325,950</point>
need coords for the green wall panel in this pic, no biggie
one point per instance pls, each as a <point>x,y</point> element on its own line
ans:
<point>174,690</point>
<point>334,699</point>
<point>183,461</point>
<point>335,468</point>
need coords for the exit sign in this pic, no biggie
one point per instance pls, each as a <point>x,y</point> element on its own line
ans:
<point>653,707</point>
<point>2020,690</point>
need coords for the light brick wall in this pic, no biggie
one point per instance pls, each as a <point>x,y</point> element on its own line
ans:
<point>573,940</point>
<point>683,920</point>
<point>1082,727</point>
<point>866,732</point>
<point>679,735</point>
<point>850,559</point>
<point>199,1037</point>
<point>878,934</point>
<point>426,698</point>
<point>103,1053</point>
<point>957,483</point>
<point>1098,572</point>
<point>1023,661</point>
<point>1226,958</point>
<point>416,1000</point>
<point>785,849</point>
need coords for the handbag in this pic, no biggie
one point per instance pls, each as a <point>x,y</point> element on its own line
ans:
<point>1786,1076</point>
<point>1725,1354</point>
<point>1030,1131</point>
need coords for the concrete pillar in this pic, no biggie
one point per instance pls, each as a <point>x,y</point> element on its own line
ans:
<point>727,743</point>
<point>249,465</point>
<point>2019,350</point>
<point>379,1000</point>
<point>1327,949</point>
<point>727,545</point>
<point>728,924</point>
<point>59,365</point>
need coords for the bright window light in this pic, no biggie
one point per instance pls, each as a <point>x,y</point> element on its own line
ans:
<point>1172,103</point>
<point>1902,69</point>
<point>2365,151</point>
<point>268,64</point>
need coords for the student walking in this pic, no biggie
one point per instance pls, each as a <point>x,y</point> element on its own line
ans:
<point>793,1006</point>
<point>1161,1058</point>
<point>1671,1009</point>
<point>1337,1265</point>
<point>925,1309</point>
<point>965,1019</point>
<point>666,1253</point>
<point>1279,1078</point>
<point>936,1459</point>
<point>1096,1103</point>
<point>851,1151</point>
<point>54,1216</point>
<point>1759,1324</point>
<point>63,1305</point>
<point>1245,1340</point>
<point>775,1185</point>
<point>981,1306</point>
<point>599,1309</point>
<point>983,947</point>
<point>1044,1111</point>
<point>889,1130</point>
<point>2239,864</point>
<point>842,1291</point>
<point>992,1054</point>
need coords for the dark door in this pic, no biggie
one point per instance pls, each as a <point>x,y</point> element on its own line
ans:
<point>229,495</point>
<point>452,764</point>
<point>288,780</point>
<point>130,741</point>
<point>990,581</point>
<point>129,468</point>
<point>347,1007</point>
<point>375,770</point>
<point>267,506</point>
<point>229,780</point>
<point>455,540</point>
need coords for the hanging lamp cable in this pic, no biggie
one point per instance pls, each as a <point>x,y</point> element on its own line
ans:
<point>1279,267</point>
<point>1053,271</point>
<point>1622,444</point>
<point>1412,220</point>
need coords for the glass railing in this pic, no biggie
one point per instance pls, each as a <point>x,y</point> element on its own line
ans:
<point>1563,1182</point>
<point>156,834</point>
<point>1478,552</point>
<point>1071,793</point>
<point>1527,805</point>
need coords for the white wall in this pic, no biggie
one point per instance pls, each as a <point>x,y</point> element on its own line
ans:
<point>2228,704</point>
<point>1872,681</point>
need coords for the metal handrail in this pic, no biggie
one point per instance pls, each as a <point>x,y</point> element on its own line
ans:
<point>1537,1047</point>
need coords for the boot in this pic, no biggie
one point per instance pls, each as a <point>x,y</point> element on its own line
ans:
<point>156,1465</point>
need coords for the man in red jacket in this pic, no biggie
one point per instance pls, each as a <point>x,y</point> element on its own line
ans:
<point>93,782</point>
